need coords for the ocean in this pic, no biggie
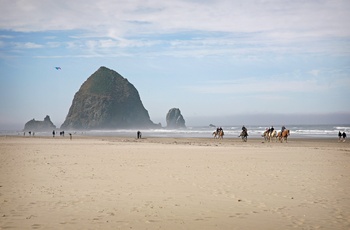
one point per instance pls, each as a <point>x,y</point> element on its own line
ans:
<point>231,131</point>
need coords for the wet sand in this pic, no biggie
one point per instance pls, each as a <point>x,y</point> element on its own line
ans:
<point>173,183</point>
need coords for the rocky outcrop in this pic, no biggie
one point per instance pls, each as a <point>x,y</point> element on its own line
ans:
<point>106,100</point>
<point>45,125</point>
<point>174,119</point>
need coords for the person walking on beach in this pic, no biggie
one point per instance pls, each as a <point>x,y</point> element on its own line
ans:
<point>344,136</point>
<point>138,134</point>
<point>340,136</point>
<point>53,133</point>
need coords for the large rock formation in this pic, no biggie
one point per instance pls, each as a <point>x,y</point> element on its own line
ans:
<point>106,100</point>
<point>45,125</point>
<point>174,119</point>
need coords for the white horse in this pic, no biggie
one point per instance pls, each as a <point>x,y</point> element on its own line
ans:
<point>268,136</point>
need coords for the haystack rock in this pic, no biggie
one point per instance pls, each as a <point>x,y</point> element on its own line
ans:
<point>106,100</point>
<point>174,119</point>
<point>45,125</point>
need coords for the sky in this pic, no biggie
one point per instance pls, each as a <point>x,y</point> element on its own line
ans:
<point>218,61</point>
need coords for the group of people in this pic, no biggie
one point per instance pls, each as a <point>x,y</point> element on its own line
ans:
<point>218,129</point>
<point>30,133</point>
<point>271,129</point>
<point>342,136</point>
<point>61,134</point>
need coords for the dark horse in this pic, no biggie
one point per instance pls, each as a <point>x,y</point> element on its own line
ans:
<point>244,135</point>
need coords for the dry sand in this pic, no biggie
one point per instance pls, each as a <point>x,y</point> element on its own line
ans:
<point>173,183</point>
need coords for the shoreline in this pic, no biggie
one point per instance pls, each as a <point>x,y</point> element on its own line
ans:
<point>225,140</point>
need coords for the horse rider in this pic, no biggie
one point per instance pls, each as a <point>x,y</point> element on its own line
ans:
<point>283,128</point>
<point>244,130</point>
<point>267,130</point>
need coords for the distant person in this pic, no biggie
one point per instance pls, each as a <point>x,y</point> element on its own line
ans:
<point>344,136</point>
<point>340,135</point>
<point>139,135</point>
<point>70,136</point>
<point>53,133</point>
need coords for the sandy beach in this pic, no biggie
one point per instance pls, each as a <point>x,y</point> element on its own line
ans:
<point>173,183</point>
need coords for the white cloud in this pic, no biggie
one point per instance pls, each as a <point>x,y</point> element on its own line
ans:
<point>224,27</point>
<point>245,27</point>
<point>315,72</point>
<point>280,19</point>
<point>27,45</point>
<point>257,86</point>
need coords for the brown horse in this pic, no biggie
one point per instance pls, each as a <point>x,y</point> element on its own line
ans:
<point>219,134</point>
<point>283,135</point>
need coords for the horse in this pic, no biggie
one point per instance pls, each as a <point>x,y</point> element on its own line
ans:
<point>283,135</point>
<point>219,134</point>
<point>269,135</point>
<point>273,135</point>
<point>244,135</point>
<point>266,135</point>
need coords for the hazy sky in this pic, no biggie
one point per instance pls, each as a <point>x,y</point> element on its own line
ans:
<point>219,61</point>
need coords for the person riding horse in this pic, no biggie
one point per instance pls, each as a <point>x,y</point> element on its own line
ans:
<point>283,128</point>
<point>244,134</point>
<point>219,133</point>
<point>244,131</point>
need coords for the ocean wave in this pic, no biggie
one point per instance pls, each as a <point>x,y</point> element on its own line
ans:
<point>231,131</point>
